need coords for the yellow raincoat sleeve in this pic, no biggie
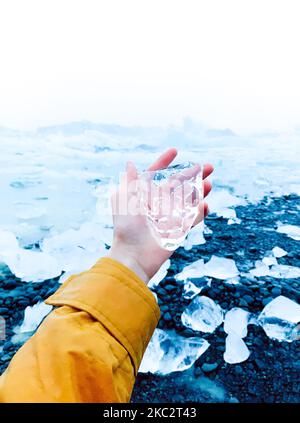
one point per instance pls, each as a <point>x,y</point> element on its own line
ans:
<point>89,348</point>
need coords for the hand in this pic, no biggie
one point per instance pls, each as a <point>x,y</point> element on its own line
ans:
<point>133,243</point>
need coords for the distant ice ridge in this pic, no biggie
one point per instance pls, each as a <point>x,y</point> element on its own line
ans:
<point>168,352</point>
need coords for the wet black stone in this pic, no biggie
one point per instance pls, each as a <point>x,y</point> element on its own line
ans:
<point>243,303</point>
<point>5,357</point>
<point>209,367</point>
<point>167,317</point>
<point>248,299</point>
<point>276,291</point>
<point>266,301</point>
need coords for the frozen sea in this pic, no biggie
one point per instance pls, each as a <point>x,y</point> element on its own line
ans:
<point>50,178</point>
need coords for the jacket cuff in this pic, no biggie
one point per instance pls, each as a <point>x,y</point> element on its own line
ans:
<point>116,297</point>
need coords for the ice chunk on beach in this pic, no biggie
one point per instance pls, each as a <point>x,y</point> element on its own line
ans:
<point>291,231</point>
<point>222,202</point>
<point>221,268</point>
<point>280,319</point>
<point>236,351</point>
<point>234,221</point>
<point>202,314</point>
<point>8,242</point>
<point>168,352</point>
<point>233,281</point>
<point>282,271</point>
<point>160,274</point>
<point>33,316</point>
<point>282,308</point>
<point>32,266</point>
<point>279,252</point>
<point>261,269</point>
<point>194,237</point>
<point>193,270</point>
<point>190,290</point>
<point>236,321</point>
<point>76,250</point>
<point>216,267</point>
<point>269,260</point>
<point>28,211</point>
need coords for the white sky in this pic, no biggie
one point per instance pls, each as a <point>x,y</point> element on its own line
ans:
<point>229,63</point>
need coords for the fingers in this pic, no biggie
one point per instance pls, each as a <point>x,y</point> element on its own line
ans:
<point>207,186</point>
<point>207,170</point>
<point>164,160</point>
<point>206,209</point>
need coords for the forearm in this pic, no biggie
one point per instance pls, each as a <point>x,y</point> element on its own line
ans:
<point>90,347</point>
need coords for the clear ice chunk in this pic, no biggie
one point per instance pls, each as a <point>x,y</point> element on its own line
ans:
<point>193,270</point>
<point>280,319</point>
<point>279,252</point>
<point>190,290</point>
<point>160,274</point>
<point>194,237</point>
<point>236,322</point>
<point>76,250</point>
<point>269,260</point>
<point>168,352</point>
<point>282,271</point>
<point>233,281</point>
<point>202,314</point>
<point>261,269</point>
<point>33,316</point>
<point>171,200</point>
<point>236,351</point>
<point>291,231</point>
<point>221,268</point>
<point>32,266</point>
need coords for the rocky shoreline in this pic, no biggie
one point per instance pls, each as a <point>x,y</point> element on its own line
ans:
<point>271,373</point>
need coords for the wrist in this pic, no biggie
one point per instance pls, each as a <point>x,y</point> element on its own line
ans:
<point>129,259</point>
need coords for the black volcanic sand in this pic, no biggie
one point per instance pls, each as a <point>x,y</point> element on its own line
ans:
<point>271,373</point>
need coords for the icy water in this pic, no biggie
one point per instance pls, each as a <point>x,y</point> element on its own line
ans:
<point>54,221</point>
